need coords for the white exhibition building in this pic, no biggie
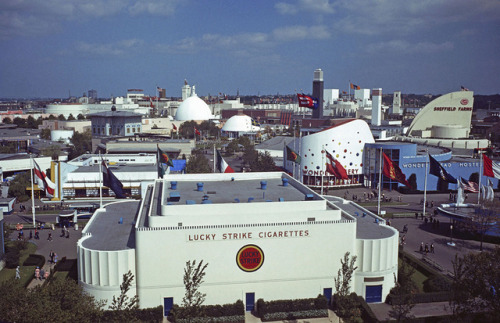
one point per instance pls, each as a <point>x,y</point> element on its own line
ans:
<point>285,242</point>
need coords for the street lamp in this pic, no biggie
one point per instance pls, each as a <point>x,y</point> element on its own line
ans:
<point>451,243</point>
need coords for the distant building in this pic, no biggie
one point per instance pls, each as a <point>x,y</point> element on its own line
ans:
<point>116,123</point>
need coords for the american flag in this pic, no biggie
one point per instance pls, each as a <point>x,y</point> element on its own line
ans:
<point>470,186</point>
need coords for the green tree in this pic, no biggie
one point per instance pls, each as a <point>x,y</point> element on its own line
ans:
<point>476,285</point>
<point>263,163</point>
<point>45,134</point>
<point>186,129</point>
<point>52,117</point>
<point>53,151</point>
<point>487,218</point>
<point>7,120</point>
<point>20,122</point>
<point>31,122</point>
<point>81,143</point>
<point>18,185</point>
<point>80,117</point>
<point>193,298</point>
<point>61,117</point>
<point>123,305</point>
<point>210,128</point>
<point>71,118</point>
<point>197,163</point>
<point>403,291</point>
<point>345,304</point>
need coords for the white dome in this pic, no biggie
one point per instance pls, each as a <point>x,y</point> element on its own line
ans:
<point>193,108</point>
<point>239,123</point>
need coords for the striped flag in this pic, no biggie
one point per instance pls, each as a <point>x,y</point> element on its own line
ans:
<point>44,183</point>
<point>222,165</point>
<point>490,168</point>
<point>335,168</point>
<point>469,186</point>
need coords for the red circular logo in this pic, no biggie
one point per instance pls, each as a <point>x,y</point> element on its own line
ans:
<point>250,258</point>
<point>464,101</point>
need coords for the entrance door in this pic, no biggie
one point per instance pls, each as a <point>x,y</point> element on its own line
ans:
<point>168,303</point>
<point>374,294</point>
<point>327,292</point>
<point>250,302</point>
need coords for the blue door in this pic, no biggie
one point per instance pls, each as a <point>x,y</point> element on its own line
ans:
<point>374,294</point>
<point>327,292</point>
<point>250,302</point>
<point>168,303</point>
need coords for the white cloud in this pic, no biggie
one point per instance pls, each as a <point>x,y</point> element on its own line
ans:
<point>119,48</point>
<point>291,33</point>
<point>315,6</point>
<point>405,47</point>
<point>154,7</point>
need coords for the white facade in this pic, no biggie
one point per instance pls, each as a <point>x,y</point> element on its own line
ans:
<point>330,96</point>
<point>377,107</point>
<point>298,236</point>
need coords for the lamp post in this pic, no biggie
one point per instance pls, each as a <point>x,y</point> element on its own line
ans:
<point>451,243</point>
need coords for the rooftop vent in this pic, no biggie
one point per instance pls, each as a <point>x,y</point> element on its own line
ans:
<point>199,186</point>
<point>263,185</point>
<point>237,200</point>
<point>174,196</point>
<point>309,197</point>
<point>250,199</point>
<point>173,185</point>
<point>285,182</point>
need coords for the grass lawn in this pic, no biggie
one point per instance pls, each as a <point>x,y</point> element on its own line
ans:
<point>27,272</point>
<point>418,277</point>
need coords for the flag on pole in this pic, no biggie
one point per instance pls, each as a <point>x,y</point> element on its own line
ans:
<point>44,183</point>
<point>109,179</point>
<point>197,132</point>
<point>335,168</point>
<point>162,158</point>
<point>306,101</point>
<point>174,126</point>
<point>392,170</point>
<point>355,87</point>
<point>438,170</point>
<point>222,166</point>
<point>292,155</point>
<point>470,186</point>
<point>490,168</point>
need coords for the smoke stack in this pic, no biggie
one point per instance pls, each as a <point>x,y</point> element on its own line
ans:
<point>318,88</point>
<point>377,107</point>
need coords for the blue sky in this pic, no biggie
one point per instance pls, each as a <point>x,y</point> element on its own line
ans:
<point>52,47</point>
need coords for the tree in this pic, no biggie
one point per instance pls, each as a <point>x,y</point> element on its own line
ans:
<point>45,134</point>
<point>403,292</point>
<point>61,117</point>
<point>53,151</point>
<point>7,120</point>
<point>345,305</point>
<point>186,130</point>
<point>476,284</point>
<point>263,163</point>
<point>20,122</point>
<point>71,118</point>
<point>193,298</point>
<point>80,116</point>
<point>197,163</point>
<point>82,143</point>
<point>31,122</point>
<point>18,185</point>
<point>124,305</point>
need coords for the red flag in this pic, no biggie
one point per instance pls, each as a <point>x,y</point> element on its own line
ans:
<point>306,101</point>
<point>222,166</point>
<point>43,181</point>
<point>334,167</point>
<point>490,168</point>
<point>174,126</point>
<point>197,132</point>
<point>392,170</point>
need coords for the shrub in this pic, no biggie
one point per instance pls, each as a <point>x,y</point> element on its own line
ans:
<point>293,309</point>
<point>436,283</point>
<point>34,260</point>
<point>212,313</point>
<point>12,258</point>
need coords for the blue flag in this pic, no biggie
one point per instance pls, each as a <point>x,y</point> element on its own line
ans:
<point>437,170</point>
<point>109,179</point>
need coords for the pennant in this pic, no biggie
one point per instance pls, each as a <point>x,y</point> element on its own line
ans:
<point>355,87</point>
<point>174,126</point>
<point>197,132</point>
<point>44,183</point>
<point>437,170</point>
<point>109,179</point>
<point>306,101</point>
<point>335,168</point>
<point>222,165</point>
<point>392,170</point>
<point>490,168</point>
<point>292,155</point>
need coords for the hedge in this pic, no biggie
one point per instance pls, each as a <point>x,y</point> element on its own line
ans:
<point>292,309</point>
<point>212,313</point>
<point>153,314</point>
<point>444,296</point>
<point>34,260</point>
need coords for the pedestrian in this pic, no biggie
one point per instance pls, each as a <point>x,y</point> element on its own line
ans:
<point>405,228</point>
<point>50,236</point>
<point>432,203</point>
<point>416,215</point>
<point>55,258</point>
<point>46,275</point>
<point>422,247</point>
<point>37,236</point>
<point>51,256</point>
<point>426,248</point>
<point>42,274</point>
<point>31,234</point>
<point>18,273</point>
<point>37,273</point>
<point>432,247</point>
<point>62,232</point>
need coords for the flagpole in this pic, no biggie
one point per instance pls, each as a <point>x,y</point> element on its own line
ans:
<point>322,167</point>
<point>214,157</point>
<point>100,182</point>
<point>480,171</point>
<point>294,148</point>
<point>425,182</point>
<point>379,179</point>
<point>300,152</point>
<point>32,192</point>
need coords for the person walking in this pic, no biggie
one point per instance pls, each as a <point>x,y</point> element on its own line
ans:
<point>37,273</point>
<point>432,247</point>
<point>51,256</point>
<point>50,236</point>
<point>18,273</point>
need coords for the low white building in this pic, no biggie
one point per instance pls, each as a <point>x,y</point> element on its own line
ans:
<point>284,242</point>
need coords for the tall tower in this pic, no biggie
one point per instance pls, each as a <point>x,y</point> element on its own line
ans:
<point>377,107</point>
<point>186,91</point>
<point>396,103</point>
<point>318,87</point>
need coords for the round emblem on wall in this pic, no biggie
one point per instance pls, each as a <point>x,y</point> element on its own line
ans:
<point>250,258</point>
<point>464,101</point>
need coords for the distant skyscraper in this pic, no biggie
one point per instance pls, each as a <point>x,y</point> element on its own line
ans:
<point>92,94</point>
<point>318,88</point>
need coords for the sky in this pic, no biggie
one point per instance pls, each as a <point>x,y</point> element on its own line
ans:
<point>54,48</point>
